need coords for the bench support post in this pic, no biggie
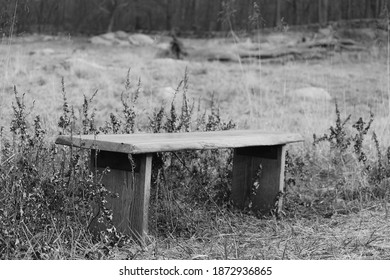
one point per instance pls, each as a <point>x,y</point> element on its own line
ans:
<point>130,178</point>
<point>266,161</point>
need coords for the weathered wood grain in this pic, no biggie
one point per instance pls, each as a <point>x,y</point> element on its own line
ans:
<point>246,163</point>
<point>139,206</point>
<point>130,208</point>
<point>165,142</point>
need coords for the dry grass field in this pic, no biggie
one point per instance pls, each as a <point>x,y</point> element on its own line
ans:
<point>328,212</point>
<point>257,95</point>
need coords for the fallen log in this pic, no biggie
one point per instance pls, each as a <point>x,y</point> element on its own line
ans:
<point>309,50</point>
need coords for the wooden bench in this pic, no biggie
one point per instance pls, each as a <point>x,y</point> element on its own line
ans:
<point>252,148</point>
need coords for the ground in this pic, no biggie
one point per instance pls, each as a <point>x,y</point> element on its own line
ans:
<point>256,94</point>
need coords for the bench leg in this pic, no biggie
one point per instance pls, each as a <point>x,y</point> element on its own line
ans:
<point>130,209</point>
<point>246,163</point>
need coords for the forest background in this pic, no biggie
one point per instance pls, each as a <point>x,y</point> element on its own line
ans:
<point>191,17</point>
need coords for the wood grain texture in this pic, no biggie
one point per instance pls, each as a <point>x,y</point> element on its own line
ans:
<point>242,179</point>
<point>139,206</point>
<point>271,182</point>
<point>130,208</point>
<point>164,142</point>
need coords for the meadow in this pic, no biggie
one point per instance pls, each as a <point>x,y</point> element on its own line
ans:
<point>337,188</point>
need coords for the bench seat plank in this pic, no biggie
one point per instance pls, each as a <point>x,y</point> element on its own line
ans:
<point>142,143</point>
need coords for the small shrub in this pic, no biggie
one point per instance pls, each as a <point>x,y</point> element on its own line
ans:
<point>46,192</point>
<point>335,175</point>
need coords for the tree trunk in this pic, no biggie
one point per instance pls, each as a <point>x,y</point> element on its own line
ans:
<point>168,15</point>
<point>325,8</point>
<point>111,22</point>
<point>322,11</point>
<point>339,15</point>
<point>296,13</point>
<point>368,10</point>
<point>192,12</point>
<point>378,5</point>
<point>278,16</point>
<point>218,25</point>
<point>349,12</point>
<point>136,13</point>
<point>306,11</point>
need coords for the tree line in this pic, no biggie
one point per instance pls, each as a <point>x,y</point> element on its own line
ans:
<point>190,16</point>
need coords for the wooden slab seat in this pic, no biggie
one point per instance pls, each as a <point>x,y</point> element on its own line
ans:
<point>252,148</point>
